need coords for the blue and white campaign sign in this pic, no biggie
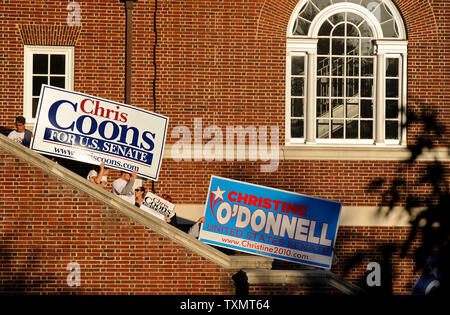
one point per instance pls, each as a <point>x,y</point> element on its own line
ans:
<point>270,222</point>
<point>89,129</point>
<point>429,281</point>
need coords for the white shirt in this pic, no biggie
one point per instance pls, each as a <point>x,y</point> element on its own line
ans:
<point>93,173</point>
<point>117,187</point>
<point>16,136</point>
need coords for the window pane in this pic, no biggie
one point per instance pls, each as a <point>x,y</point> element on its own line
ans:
<point>365,30</point>
<point>352,31</point>
<point>391,88</point>
<point>297,128</point>
<point>366,87</point>
<point>352,109</point>
<point>338,66</point>
<point>309,12</point>
<point>370,4</point>
<point>35,106</point>
<point>321,3</point>
<point>339,30</point>
<point>366,129</point>
<point>325,29</point>
<point>337,110</point>
<point>37,82</point>
<point>323,87</point>
<point>323,128</point>
<point>367,67</point>
<point>298,65</point>
<point>297,107</point>
<point>301,27</point>
<point>352,47</point>
<point>366,47</point>
<point>391,109</point>
<point>392,67</point>
<point>383,13</point>
<point>351,131</point>
<point>323,66</point>
<point>338,46</point>
<point>354,18</point>
<point>323,108</point>
<point>366,108</point>
<point>323,46</point>
<point>40,64</point>
<point>339,17</point>
<point>58,82</point>
<point>297,87</point>
<point>352,67</point>
<point>352,87</point>
<point>57,64</point>
<point>389,29</point>
<point>337,87</point>
<point>337,129</point>
<point>391,129</point>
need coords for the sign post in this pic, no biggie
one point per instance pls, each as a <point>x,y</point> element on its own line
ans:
<point>270,222</point>
<point>89,129</point>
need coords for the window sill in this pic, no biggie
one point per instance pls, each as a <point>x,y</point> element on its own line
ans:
<point>357,152</point>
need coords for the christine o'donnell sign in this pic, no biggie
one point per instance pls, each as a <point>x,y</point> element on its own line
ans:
<point>270,222</point>
<point>89,129</point>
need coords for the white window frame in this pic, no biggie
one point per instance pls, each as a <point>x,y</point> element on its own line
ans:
<point>390,49</point>
<point>384,48</point>
<point>29,51</point>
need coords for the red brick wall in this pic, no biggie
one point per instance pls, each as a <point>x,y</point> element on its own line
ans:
<point>357,246</point>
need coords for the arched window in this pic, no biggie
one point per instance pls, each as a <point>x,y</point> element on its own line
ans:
<point>346,73</point>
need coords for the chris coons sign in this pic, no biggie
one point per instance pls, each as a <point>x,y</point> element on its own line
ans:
<point>89,129</point>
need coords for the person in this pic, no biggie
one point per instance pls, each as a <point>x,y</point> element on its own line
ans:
<point>194,231</point>
<point>172,219</point>
<point>99,175</point>
<point>139,196</point>
<point>123,186</point>
<point>21,134</point>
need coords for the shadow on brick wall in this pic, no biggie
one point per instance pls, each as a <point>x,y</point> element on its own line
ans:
<point>417,185</point>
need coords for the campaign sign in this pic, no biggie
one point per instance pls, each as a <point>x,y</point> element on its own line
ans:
<point>429,282</point>
<point>270,222</point>
<point>89,129</point>
<point>157,206</point>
